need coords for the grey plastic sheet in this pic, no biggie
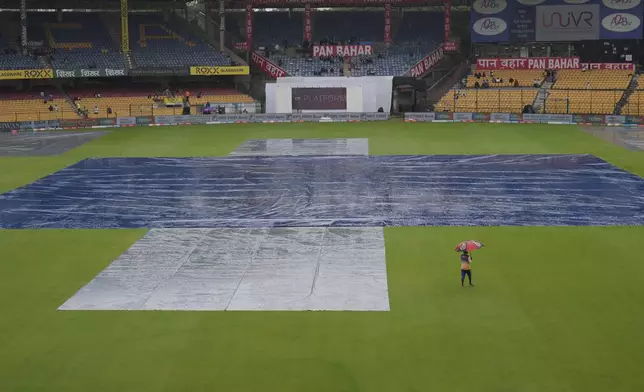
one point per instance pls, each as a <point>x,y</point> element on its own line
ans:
<point>43,143</point>
<point>281,147</point>
<point>244,269</point>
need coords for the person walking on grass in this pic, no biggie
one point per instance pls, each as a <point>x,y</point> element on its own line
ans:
<point>466,269</point>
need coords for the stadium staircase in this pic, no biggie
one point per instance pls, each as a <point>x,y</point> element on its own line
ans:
<point>627,94</point>
<point>540,98</point>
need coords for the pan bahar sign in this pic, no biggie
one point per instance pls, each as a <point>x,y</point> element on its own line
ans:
<point>342,50</point>
<point>423,66</point>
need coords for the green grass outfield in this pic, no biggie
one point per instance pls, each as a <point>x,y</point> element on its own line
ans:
<point>556,309</point>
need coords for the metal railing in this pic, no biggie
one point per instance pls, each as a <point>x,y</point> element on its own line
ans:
<point>129,111</point>
<point>558,101</point>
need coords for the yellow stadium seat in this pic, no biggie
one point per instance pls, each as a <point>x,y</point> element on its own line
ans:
<point>486,100</point>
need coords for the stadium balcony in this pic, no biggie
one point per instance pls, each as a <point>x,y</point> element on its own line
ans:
<point>509,100</point>
<point>156,44</point>
<point>32,106</point>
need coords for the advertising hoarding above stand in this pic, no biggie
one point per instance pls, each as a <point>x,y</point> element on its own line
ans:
<point>342,50</point>
<point>160,72</point>
<point>267,66</point>
<point>204,70</point>
<point>22,74</point>
<point>89,73</point>
<point>555,20</point>
<point>426,64</point>
<point>529,63</point>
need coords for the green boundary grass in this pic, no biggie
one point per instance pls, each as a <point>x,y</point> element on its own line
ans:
<point>555,309</point>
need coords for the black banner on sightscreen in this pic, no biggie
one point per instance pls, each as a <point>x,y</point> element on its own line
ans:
<point>319,98</point>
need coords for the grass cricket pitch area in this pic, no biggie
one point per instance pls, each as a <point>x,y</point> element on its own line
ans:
<point>103,240</point>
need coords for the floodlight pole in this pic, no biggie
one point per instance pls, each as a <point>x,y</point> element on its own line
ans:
<point>23,25</point>
<point>125,33</point>
<point>222,24</point>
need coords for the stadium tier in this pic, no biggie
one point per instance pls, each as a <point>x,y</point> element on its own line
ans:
<point>415,34</point>
<point>78,41</point>
<point>589,91</point>
<point>32,106</point>
<point>141,102</point>
<point>156,43</point>
<point>486,100</point>
<point>507,78</point>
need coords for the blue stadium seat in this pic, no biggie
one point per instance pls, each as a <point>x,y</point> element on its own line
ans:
<point>155,43</point>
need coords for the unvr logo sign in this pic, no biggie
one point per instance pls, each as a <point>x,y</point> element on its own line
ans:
<point>568,20</point>
<point>621,23</point>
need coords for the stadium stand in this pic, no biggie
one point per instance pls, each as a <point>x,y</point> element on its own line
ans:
<point>524,78</point>
<point>141,102</point>
<point>11,58</point>
<point>32,106</point>
<point>589,92</point>
<point>419,33</point>
<point>78,41</point>
<point>486,100</point>
<point>157,44</point>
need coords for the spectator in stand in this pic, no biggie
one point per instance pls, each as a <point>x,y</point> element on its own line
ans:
<point>477,84</point>
<point>109,110</point>
<point>588,85</point>
<point>511,80</point>
<point>56,108</point>
<point>516,83</point>
<point>51,108</point>
<point>96,109</point>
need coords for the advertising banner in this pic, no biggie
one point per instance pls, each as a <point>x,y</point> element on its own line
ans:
<point>89,73</point>
<point>548,118</point>
<point>618,66</point>
<point>500,117</point>
<point>615,119</point>
<point>126,121</point>
<point>319,98</point>
<point>144,120</point>
<point>160,72</point>
<point>269,67</point>
<point>555,20</point>
<point>587,119</point>
<point>9,126</point>
<point>249,26</point>
<point>272,3</point>
<point>447,17</point>
<point>342,50</point>
<point>522,23</point>
<point>240,46</point>
<point>308,29</point>
<point>387,23</point>
<point>462,117</point>
<point>567,22</point>
<point>19,74</point>
<point>205,70</point>
<point>428,62</point>
<point>451,46</point>
<point>621,19</point>
<point>529,63</point>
